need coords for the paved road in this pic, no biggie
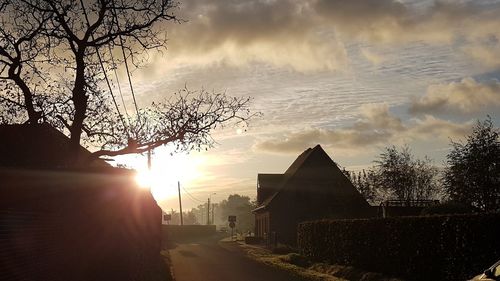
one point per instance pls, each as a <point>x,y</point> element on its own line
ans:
<point>211,260</point>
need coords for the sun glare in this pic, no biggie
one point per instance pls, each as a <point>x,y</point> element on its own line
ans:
<point>166,171</point>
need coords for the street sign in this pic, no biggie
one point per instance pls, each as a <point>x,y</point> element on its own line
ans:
<point>232,224</point>
<point>231,218</point>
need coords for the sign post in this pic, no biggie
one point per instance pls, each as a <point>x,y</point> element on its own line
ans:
<point>167,218</point>
<point>232,224</point>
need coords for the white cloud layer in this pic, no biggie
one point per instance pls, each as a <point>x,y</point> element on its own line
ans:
<point>465,96</point>
<point>311,35</point>
<point>377,126</point>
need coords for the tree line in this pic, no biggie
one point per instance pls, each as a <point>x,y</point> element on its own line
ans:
<point>236,205</point>
<point>470,176</point>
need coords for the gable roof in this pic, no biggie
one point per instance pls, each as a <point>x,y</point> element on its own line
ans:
<point>38,146</point>
<point>267,186</point>
<point>269,180</point>
<point>312,163</point>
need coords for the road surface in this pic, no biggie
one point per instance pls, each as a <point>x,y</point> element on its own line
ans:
<point>212,260</point>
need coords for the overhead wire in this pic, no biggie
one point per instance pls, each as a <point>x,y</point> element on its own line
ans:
<point>118,82</point>
<point>191,196</point>
<point>125,61</point>
<point>104,70</point>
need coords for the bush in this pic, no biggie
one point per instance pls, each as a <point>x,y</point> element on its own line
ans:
<point>296,259</point>
<point>282,249</point>
<point>252,240</point>
<point>417,248</point>
<point>186,232</point>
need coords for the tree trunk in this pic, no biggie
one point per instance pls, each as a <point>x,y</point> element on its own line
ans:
<point>28,95</point>
<point>79,99</point>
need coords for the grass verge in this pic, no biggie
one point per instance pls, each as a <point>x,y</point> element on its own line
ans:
<point>301,266</point>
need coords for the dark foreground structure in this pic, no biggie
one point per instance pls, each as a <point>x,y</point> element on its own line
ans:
<point>313,187</point>
<point>61,223</point>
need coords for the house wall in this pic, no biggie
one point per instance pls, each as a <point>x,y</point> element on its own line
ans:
<point>262,224</point>
<point>303,202</point>
<point>62,225</point>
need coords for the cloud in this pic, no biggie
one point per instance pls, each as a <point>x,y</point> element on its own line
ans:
<point>393,21</point>
<point>465,96</point>
<point>310,35</point>
<point>281,33</point>
<point>377,126</point>
<point>487,55</point>
<point>374,58</point>
<point>431,127</point>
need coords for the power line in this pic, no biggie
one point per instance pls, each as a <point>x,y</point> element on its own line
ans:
<point>103,69</point>
<point>118,81</point>
<point>125,60</point>
<point>192,197</point>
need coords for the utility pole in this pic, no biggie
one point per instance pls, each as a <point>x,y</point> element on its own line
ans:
<point>213,212</point>
<point>208,211</point>
<point>149,160</point>
<point>180,202</point>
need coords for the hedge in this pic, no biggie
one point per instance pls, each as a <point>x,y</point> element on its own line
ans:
<point>186,232</point>
<point>455,247</point>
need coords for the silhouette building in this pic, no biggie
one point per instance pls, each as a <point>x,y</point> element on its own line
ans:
<point>312,188</point>
<point>59,222</point>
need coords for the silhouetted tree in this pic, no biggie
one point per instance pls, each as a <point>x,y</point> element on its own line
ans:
<point>472,175</point>
<point>52,53</point>
<point>188,218</point>
<point>365,183</point>
<point>241,207</point>
<point>406,178</point>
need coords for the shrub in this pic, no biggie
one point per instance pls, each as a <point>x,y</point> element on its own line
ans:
<point>296,259</point>
<point>282,249</point>
<point>417,248</point>
<point>186,232</point>
<point>252,240</point>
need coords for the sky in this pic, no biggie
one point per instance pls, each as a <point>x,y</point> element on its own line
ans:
<point>354,76</point>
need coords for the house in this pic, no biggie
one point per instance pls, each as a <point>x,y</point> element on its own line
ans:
<point>64,223</point>
<point>40,146</point>
<point>312,188</point>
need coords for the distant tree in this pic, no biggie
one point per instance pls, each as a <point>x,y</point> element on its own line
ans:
<point>407,178</point>
<point>54,57</point>
<point>472,175</point>
<point>188,218</point>
<point>365,183</point>
<point>241,207</point>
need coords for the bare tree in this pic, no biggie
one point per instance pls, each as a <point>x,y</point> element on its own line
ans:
<point>22,49</point>
<point>407,178</point>
<point>69,45</point>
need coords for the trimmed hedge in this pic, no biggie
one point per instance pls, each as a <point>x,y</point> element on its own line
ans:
<point>455,247</point>
<point>253,240</point>
<point>186,232</point>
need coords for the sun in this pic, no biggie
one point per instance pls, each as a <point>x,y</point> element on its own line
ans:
<point>166,172</point>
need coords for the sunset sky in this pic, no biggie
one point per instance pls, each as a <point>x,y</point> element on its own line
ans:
<point>354,76</point>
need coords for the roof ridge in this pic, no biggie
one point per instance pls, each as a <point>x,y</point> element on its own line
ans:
<point>291,171</point>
